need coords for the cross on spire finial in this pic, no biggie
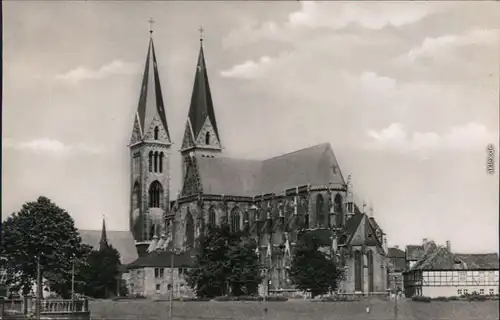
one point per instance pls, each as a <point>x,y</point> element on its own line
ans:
<point>151,21</point>
<point>201,33</point>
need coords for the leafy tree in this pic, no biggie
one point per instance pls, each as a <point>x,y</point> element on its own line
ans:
<point>226,264</point>
<point>312,270</point>
<point>100,274</point>
<point>40,229</point>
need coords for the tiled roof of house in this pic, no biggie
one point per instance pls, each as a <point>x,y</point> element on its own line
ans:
<point>315,165</point>
<point>479,260</point>
<point>439,258</point>
<point>396,253</point>
<point>163,259</point>
<point>123,241</point>
<point>414,252</point>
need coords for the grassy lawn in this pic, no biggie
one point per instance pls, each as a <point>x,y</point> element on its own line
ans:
<point>295,310</point>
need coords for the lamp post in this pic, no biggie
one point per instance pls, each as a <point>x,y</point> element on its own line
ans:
<point>173,253</point>
<point>38,288</point>
<point>395,300</point>
<point>73,284</point>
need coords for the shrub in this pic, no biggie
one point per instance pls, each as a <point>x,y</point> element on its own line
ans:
<point>441,299</point>
<point>250,298</point>
<point>476,297</point>
<point>421,299</point>
<point>453,298</point>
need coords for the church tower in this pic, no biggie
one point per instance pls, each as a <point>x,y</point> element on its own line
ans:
<point>150,157</point>
<point>201,135</point>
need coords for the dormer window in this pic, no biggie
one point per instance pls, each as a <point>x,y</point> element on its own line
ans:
<point>156,133</point>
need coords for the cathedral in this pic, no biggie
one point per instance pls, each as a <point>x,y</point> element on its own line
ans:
<point>275,200</point>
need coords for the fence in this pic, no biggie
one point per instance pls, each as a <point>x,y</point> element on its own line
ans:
<point>49,309</point>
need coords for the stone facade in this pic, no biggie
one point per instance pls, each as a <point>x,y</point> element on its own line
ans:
<point>274,200</point>
<point>157,282</point>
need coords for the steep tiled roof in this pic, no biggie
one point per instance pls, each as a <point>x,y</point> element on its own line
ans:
<point>414,252</point>
<point>163,259</point>
<point>352,225</point>
<point>439,258</point>
<point>397,258</point>
<point>375,224</point>
<point>123,241</point>
<point>396,253</point>
<point>436,258</point>
<point>315,165</point>
<point>479,260</point>
<point>228,176</point>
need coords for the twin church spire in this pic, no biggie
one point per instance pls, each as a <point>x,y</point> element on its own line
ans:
<point>201,126</point>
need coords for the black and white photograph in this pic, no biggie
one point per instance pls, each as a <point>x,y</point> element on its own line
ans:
<point>233,160</point>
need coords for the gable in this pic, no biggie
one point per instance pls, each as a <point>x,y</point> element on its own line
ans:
<point>358,236</point>
<point>207,128</point>
<point>136,132</point>
<point>187,140</point>
<point>371,234</point>
<point>191,183</point>
<point>162,133</point>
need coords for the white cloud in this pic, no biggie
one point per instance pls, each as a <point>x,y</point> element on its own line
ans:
<point>441,46</point>
<point>370,16</point>
<point>247,70</point>
<point>394,138</point>
<point>50,147</point>
<point>116,67</point>
<point>336,16</point>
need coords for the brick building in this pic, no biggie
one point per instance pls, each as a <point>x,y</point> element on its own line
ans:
<point>274,199</point>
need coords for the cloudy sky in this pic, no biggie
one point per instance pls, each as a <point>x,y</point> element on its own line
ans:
<point>406,93</point>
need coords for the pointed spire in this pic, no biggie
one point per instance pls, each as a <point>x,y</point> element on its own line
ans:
<point>103,243</point>
<point>151,104</point>
<point>201,108</point>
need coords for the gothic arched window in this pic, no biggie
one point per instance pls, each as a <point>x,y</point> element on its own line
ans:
<point>212,220</point>
<point>320,214</point>
<point>136,196</point>
<point>156,162</point>
<point>235,220</point>
<point>207,138</point>
<point>189,230</point>
<point>156,133</point>
<point>339,212</point>
<point>161,162</point>
<point>150,161</point>
<point>358,271</point>
<point>369,256</point>
<point>155,194</point>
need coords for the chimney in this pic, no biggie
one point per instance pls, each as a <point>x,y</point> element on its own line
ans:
<point>448,245</point>
<point>424,243</point>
